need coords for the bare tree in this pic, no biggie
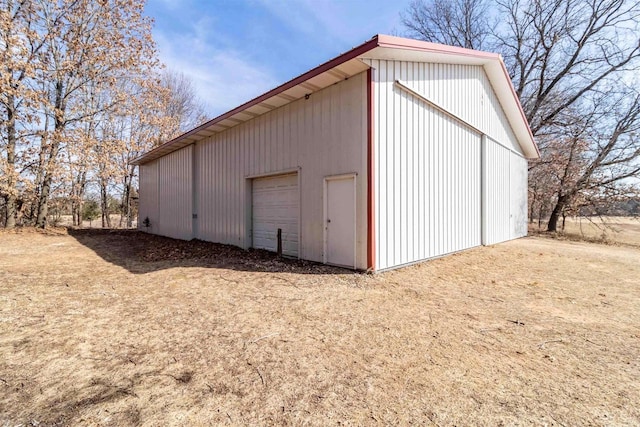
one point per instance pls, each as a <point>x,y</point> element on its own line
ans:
<point>600,155</point>
<point>571,62</point>
<point>183,104</point>
<point>81,95</point>
<point>20,46</point>
<point>462,23</point>
<point>562,51</point>
<point>89,44</point>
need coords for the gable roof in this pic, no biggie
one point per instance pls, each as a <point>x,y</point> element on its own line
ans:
<point>349,64</point>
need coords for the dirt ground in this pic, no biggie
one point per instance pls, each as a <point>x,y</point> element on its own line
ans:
<point>122,328</point>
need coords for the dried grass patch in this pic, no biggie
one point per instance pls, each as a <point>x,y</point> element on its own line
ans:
<point>101,328</point>
<point>619,231</point>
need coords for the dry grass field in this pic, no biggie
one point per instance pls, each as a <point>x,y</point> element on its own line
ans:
<point>611,230</point>
<point>122,328</point>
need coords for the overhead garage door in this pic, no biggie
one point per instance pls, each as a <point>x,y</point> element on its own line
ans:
<point>275,205</point>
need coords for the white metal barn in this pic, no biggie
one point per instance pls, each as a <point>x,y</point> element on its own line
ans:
<point>394,152</point>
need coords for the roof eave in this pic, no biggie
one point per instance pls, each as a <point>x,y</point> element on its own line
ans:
<point>351,54</point>
<point>521,125</point>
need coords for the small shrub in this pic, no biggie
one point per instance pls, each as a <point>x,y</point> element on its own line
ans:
<point>90,211</point>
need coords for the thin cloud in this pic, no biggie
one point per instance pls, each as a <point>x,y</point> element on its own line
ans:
<point>224,78</point>
<point>234,52</point>
<point>332,21</point>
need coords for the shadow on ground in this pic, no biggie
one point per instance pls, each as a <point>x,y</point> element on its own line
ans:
<point>141,253</point>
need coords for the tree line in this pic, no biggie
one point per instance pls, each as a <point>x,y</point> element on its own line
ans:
<point>82,93</point>
<point>575,67</point>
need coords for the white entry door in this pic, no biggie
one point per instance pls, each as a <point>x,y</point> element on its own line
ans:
<point>340,221</point>
<point>275,206</point>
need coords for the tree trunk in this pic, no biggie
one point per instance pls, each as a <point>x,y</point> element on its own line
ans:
<point>128,206</point>
<point>540,212</point>
<point>43,202</point>
<point>531,211</point>
<point>78,196</point>
<point>562,202</point>
<point>75,208</point>
<point>10,198</point>
<point>532,208</point>
<point>45,190</point>
<point>33,211</point>
<point>104,198</point>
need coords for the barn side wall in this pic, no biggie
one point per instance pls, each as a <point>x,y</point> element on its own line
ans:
<point>317,137</point>
<point>148,207</point>
<point>428,177</point>
<point>166,189</point>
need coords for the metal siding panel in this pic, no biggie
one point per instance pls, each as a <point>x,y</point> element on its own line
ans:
<point>175,194</point>
<point>428,193</point>
<point>324,135</point>
<point>498,193</point>
<point>396,149</point>
<point>149,200</point>
<point>419,165</point>
<point>519,192</point>
<point>466,91</point>
<point>380,157</point>
<point>403,171</point>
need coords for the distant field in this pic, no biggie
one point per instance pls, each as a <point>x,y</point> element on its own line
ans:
<point>620,230</point>
<point>67,221</point>
<point>118,328</point>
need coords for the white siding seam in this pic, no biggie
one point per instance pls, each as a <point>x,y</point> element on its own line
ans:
<point>505,146</point>
<point>484,214</point>
<point>194,192</point>
<point>418,95</point>
<point>402,85</point>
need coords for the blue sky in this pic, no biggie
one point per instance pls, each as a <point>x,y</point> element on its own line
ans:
<point>235,50</point>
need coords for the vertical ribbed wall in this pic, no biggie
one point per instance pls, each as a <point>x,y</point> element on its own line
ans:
<point>149,197</point>
<point>464,90</point>
<point>428,165</point>
<point>427,174</point>
<point>322,136</point>
<point>175,194</point>
<point>498,196</point>
<point>519,192</point>
<point>506,197</point>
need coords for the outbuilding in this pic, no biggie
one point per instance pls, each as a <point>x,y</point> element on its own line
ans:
<point>392,153</point>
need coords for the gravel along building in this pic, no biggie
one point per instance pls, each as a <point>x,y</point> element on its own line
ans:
<point>394,152</point>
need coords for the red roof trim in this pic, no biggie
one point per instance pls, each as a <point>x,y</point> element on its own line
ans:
<point>378,40</point>
<point>522,114</point>
<point>353,53</point>
<point>400,42</point>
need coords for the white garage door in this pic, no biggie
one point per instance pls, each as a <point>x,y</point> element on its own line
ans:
<point>275,205</point>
